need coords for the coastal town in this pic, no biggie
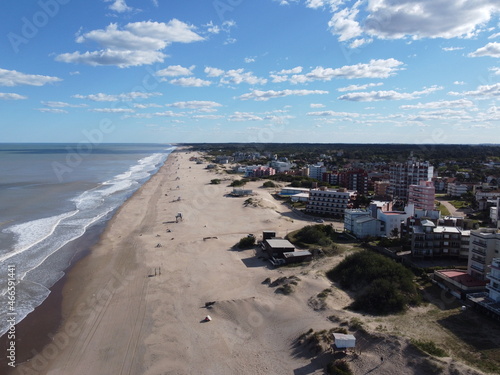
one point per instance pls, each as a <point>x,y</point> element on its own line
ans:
<point>238,264</point>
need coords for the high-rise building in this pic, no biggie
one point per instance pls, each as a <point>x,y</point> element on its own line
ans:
<point>402,175</point>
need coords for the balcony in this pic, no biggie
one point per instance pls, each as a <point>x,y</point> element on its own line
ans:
<point>482,244</point>
<point>478,251</point>
<point>493,277</point>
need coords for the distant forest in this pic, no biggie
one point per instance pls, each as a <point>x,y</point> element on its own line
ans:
<point>434,153</point>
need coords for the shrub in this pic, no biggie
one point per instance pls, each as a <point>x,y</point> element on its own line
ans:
<point>215,181</point>
<point>241,182</point>
<point>246,242</point>
<point>338,367</point>
<point>269,184</point>
<point>383,285</point>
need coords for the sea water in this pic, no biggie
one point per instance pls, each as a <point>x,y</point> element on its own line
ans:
<point>52,195</point>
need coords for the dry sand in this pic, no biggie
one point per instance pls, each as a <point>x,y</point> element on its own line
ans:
<point>136,304</point>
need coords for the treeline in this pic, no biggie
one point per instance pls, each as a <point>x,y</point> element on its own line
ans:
<point>434,153</point>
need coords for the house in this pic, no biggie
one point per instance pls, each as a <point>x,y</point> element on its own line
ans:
<point>458,282</point>
<point>276,247</point>
<point>297,256</point>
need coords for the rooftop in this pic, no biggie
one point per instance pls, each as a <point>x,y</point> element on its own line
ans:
<point>462,277</point>
<point>279,243</point>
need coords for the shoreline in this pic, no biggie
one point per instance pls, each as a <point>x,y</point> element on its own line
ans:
<point>38,329</point>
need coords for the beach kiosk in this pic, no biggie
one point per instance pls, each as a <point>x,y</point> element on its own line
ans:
<point>343,342</point>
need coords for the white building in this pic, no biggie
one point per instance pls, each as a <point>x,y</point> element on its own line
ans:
<point>484,246</point>
<point>371,223</point>
<point>456,189</point>
<point>316,171</point>
<point>494,277</point>
<point>328,202</point>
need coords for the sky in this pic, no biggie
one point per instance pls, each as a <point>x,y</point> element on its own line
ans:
<point>314,71</point>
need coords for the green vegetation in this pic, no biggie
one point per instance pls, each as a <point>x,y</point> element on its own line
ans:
<point>269,184</point>
<point>246,242</point>
<point>313,236</point>
<point>215,181</point>
<point>442,208</point>
<point>429,347</point>
<point>382,285</point>
<point>237,183</point>
<point>338,367</point>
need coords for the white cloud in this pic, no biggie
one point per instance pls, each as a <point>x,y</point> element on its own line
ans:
<point>386,95</point>
<point>460,103</point>
<point>450,49</point>
<point>135,95</point>
<point>112,110</point>
<point>155,114</point>
<point>138,43</point>
<point>62,105</point>
<point>144,106</point>
<point>175,71</point>
<point>244,116</point>
<point>266,95</point>
<point>495,70</point>
<point>121,59</point>
<point>417,19</point>
<point>195,104</point>
<point>344,24</point>
<point>249,60</point>
<point>11,96</point>
<point>428,19</point>
<point>494,36</point>
<point>15,78</point>
<point>360,42</point>
<point>296,70</point>
<point>190,82</point>
<point>213,72</point>
<point>491,49</point>
<point>359,87</point>
<point>235,76</point>
<point>119,6</point>
<point>315,4</point>
<point>381,68</point>
<point>333,113</point>
<point>51,110</point>
<point>484,91</point>
<point>459,83</point>
<point>174,31</point>
<point>317,105</point>
<point>207,117</point>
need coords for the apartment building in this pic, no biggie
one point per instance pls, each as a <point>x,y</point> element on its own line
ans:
<point>402,175</point>
<point>433,240</point>
<point>328,202</point>
<point>456,189</point>
<point>484,246</point>
<point>422,195</point>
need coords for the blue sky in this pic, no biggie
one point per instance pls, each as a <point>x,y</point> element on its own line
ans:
<point>368,71</point>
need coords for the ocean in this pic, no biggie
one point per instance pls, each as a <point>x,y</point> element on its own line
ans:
<point>52,195</point>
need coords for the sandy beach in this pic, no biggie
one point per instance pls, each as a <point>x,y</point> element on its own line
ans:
<point>136,303</point>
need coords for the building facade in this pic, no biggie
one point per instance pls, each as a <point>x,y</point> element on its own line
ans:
<point>402,175</point>
<point>422,195</point>
<point>484,246</point>
<point>328,202</point>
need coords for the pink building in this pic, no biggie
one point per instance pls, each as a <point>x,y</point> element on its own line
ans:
<point>422,195</point>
